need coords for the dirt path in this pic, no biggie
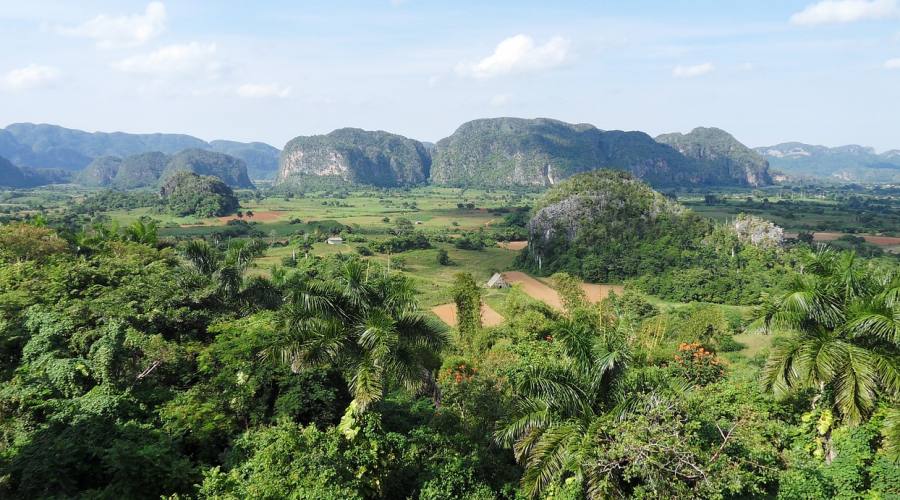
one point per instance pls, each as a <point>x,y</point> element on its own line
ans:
<point>512,245</point>
<point>543,292</point>
<point>447,314</point>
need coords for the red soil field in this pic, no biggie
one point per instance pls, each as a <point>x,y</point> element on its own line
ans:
<point>541,291</point>
<point>447,314</point>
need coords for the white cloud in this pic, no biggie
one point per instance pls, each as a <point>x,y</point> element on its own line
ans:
<point>747,66</point>
<point>518,54</point>
<point>190,58</point>
<point>846,11</point>
<point>500,100</point>
<point>263,90</point>
<point>892,63</point>
<point>122,31</point>
<point>692,71</point>
<point>30,77</point>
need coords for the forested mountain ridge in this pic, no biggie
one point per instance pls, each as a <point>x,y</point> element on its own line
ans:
<point>231,170</point>
<point>541,152</point>
<point>52,146</point>
<point>851,163</point>
<point>734,161</point>
<point>151,169</point>
<point>354,155</point>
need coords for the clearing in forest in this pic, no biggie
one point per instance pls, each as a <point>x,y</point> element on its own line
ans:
<point>543,292</point>
<point>447,314</point>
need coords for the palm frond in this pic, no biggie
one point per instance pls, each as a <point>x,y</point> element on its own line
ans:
<point>856,385</point>
<point>529,414</point>
<point>577,338</point>
<point>781,372</point>
<point>366,385</point>
<point>890,434</point>
<point>819,358</point>
<point>561,387</point>
<point>887,366</point>
<point>549,456</point>
<point>875,318</point>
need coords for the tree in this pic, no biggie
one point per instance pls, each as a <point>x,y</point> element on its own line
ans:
<point>29,242</point>
<point>143,232</point>
<point>443,258</point>
<point>551,426</point>
<point>225,272</point>
<point>250,214</point>
<point>570,291</point>
<point>364,322</point>
<point>842,327</point>
<point>467,297</point>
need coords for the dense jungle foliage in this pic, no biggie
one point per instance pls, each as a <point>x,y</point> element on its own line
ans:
<point>136,368</point>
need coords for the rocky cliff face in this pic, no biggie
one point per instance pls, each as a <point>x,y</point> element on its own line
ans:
<point>541,152</point>
<point>726,160</point>
<point>354,155</point>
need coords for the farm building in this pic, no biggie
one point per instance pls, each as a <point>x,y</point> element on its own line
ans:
<point>497,281</point>
<point>335,240</point>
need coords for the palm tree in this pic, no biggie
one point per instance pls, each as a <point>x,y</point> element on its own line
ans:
<point>363,322</point>
<point>225,270</point>
<point>842,326</point>
<point>556,405</point>
<point>142,232</point>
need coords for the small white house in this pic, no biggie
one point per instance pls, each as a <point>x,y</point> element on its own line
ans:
<point>335,240</point>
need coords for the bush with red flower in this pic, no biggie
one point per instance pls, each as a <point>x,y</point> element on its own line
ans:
<point>697,364</point>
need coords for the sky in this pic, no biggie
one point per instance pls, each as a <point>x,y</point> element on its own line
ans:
<point>822,72</point>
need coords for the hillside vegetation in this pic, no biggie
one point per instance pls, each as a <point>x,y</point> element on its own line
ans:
<point>607,226</point>
<point>842,164</point>
<point>497,152</point>
<point>731,159</point>
<point>52,146</point>
<point>353,155</point>
<point>541,152</point>
<point>186,193</point>
<point>151,169</point>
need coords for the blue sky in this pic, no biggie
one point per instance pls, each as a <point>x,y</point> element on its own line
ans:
<point>824,72</point>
